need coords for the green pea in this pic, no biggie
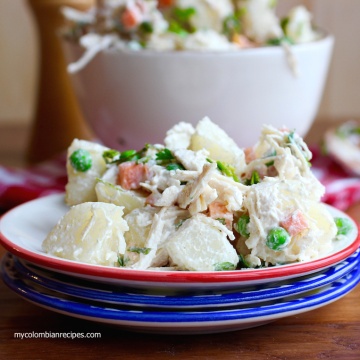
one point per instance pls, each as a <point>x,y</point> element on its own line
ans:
<point>81,160</point>
<point>277,239</point>
<point>344,225</point>
<point>241,225</point>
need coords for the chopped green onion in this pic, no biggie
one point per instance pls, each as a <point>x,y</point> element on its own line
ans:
<point>277,239</point>
<point>227,170</point>
<point>224,266</point>
<point>115,157</point>
<point>241,225</point>
<point>128,155</point>
<point>255,179</point>
<point>81,160</point>
<point>344,225</point>
<point>111,156</point>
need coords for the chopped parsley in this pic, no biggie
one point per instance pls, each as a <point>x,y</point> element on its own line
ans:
<point>174,166</point>
<point>232,25</point>
<point>164,155</point>
<point>291,140</point>
<point>180,223</point>
<point>165,158</point>
<point>184,15</point>
<point>242,262</point>
<point>271,162</point>
<point>344,225</point>
<point>279,41</point>
<point>224,266</point>
<point>122,260</point>
<point>180,24</point>
<point>139,250</point>
<point>146,27</point>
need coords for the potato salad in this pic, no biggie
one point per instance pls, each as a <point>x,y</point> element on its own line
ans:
<point>177,25</point>
<point>197,202</point>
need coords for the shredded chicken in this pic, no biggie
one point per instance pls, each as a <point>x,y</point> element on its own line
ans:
<point>193,190</point>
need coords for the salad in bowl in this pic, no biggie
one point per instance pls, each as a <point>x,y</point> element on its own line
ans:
<point>180,25</point>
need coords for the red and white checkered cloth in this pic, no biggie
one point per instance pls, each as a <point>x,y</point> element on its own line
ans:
<point>20,185</point>
<point>342,188</point>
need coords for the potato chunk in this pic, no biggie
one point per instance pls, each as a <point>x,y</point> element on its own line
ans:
<point>81,185</point>
<point>114,194</point>
<point>221,147</point>
<point>198,246</point>
<point>89,232</point>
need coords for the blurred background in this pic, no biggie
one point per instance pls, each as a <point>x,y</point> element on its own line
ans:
<point>20,53</point>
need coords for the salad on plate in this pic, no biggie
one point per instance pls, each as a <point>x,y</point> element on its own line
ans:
<point>197,202</point>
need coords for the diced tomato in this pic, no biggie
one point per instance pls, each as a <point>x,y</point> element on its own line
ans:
<point>131,17</point>
<point>152,198</point>
<point>218,211</point>
<point>249,154</point>
<point>130,175</point>
<point>165,3</point>
<point>242,41</point>
<point>295,223</point>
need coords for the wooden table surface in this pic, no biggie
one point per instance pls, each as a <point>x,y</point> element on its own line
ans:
<point>330,332</point>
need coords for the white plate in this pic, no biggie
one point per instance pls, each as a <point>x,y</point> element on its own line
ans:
<point>179,322</point>
<point>23,229</point>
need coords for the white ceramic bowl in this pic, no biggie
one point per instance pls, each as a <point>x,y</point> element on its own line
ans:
<point>133,98</point>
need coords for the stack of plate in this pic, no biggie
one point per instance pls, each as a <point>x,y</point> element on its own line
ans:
<point>166,301</point>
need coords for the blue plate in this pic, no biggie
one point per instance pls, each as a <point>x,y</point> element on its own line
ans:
<point>131,297</point>
<point>179,322</point>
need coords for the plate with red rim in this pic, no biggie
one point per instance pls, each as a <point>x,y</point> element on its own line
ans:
<point>23,229</point>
